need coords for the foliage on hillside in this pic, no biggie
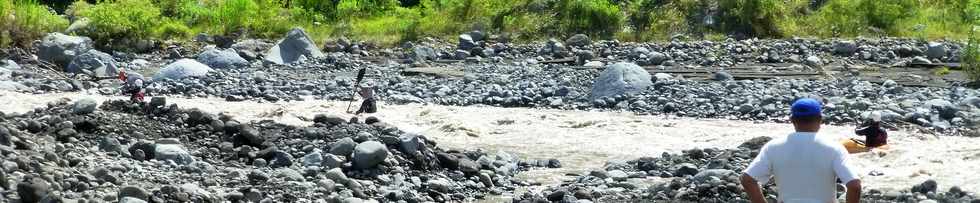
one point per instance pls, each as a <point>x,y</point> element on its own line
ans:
<point>392,21</point>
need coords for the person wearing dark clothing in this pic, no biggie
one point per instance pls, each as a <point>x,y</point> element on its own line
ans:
<point>875,135</point>
<point>370,104</point>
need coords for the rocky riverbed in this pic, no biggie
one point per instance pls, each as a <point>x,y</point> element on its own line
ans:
<point>50,149</point>
<point>116,151</point>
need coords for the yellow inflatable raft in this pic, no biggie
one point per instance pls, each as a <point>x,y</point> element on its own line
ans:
<point>854,146</point>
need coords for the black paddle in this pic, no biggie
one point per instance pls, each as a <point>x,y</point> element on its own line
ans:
<point>360,75</point>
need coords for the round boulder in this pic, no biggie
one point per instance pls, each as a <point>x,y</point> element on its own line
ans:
<point>620,78</point>
<point>93,62</point>
<point>173,152</point>
<point>183,68</point>
<point>222,59</point>
<point>60,49</point>
<point>296,45</point>
<point>369,154</point>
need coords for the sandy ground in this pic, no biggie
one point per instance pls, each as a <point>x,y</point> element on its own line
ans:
<point>585,140</point>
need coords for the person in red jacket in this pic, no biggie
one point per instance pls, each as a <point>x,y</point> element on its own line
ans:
<point>132,85</point>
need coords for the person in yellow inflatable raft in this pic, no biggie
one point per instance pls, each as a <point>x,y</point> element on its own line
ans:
<point>875,136</point>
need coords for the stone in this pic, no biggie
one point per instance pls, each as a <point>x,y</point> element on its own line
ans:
<point>468,166</point>
<point>343,147</point>
<point>656,58</point>
<point>409,143</point>
<point>578,40</point>
<point>421,53</point>
<point>32,189</point>
<point>183,68</point>
<point>332,161</point>
<point>296,45</point>
<point>257,176</point>
<point>249,48</point>
<point>686,169</point>
<point>439,184</point>
<point>926,187</point>
<point>369,154</point>
<point>14,86</point>
<point>329,120</point>
<point>288,174</point>
<point>845,48</point>
<point>337,175</point>
<point>173,152</point>
<point>253,136</point>
<point>659,77</point>
<point>222,59</point>
<point>552,48</point>
<point>93,62</point>
<point>619,79</point>
<point>466,42</point>
<point>133,192</point>
<point>813,61</point>
<point>314,158</point>
<point>722,76</point>
<point>618,175</point>
<point>557,195</point>
<point>60,49</point>
<point>110,144</point>
<point>84,106</point>
<point>755,143</point>
<point>706,175</point>
<point>131,200</point>
<point>935,50</point>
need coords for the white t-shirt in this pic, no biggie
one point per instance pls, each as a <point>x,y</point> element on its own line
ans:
<point>805,167</point>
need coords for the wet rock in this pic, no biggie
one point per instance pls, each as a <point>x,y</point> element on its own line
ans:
<point>222,59</point>
<point>183,68</point>
<point>656,58</point>
<point>93,62</point>
<point>409,143</point>
<point>329,120</point>
<point>251,135</point>
<point>926,187</point>
<point>60,49</point>
<point>686,169</point>
<point>173,152</point>
<point>619,79</point>
<point>468,166</point>
<point>439,184</point>
<point>369,154</point>
<point>297,44</point>
<point>84,106</point>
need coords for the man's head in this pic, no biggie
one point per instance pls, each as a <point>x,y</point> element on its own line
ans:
<point>806,115</point>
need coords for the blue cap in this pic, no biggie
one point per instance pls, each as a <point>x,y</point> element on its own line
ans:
<point>805,107</point>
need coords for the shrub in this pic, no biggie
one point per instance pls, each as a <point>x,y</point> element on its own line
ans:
<point>26,20</point>
<point>401,25</point>
<point>597,18</point>
<point>971,56</point>
<point>753,17</point>
<point>172,29</point>
<point>885,14</point>
<point>121,19</point>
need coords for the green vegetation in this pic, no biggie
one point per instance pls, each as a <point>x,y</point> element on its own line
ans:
<point>389,22</point>
<point>971,56</point>
<point>22,21</point>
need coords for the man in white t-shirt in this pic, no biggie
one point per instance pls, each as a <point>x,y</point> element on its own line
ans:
<point>804,165</point>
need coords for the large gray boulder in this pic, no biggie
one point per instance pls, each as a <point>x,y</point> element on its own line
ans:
<point>296,45</point>
<point>7,68</point>
<point>578,40</point>
<point>84,106</point>
<point>369,154</point>
<point>656,58</point>
<point>183,68</point>
<point>93,62</point>
<point>935,50</point>
<point>620,78</point>
<point>173,152</point>
<point>845,48</point>
<point>60,49</point>
<point>222,59</point>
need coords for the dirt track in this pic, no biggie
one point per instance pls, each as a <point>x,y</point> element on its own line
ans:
<point>585,140</point>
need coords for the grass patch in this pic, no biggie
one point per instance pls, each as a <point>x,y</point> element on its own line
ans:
<point>121,19</point>
<point>22,21</point>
